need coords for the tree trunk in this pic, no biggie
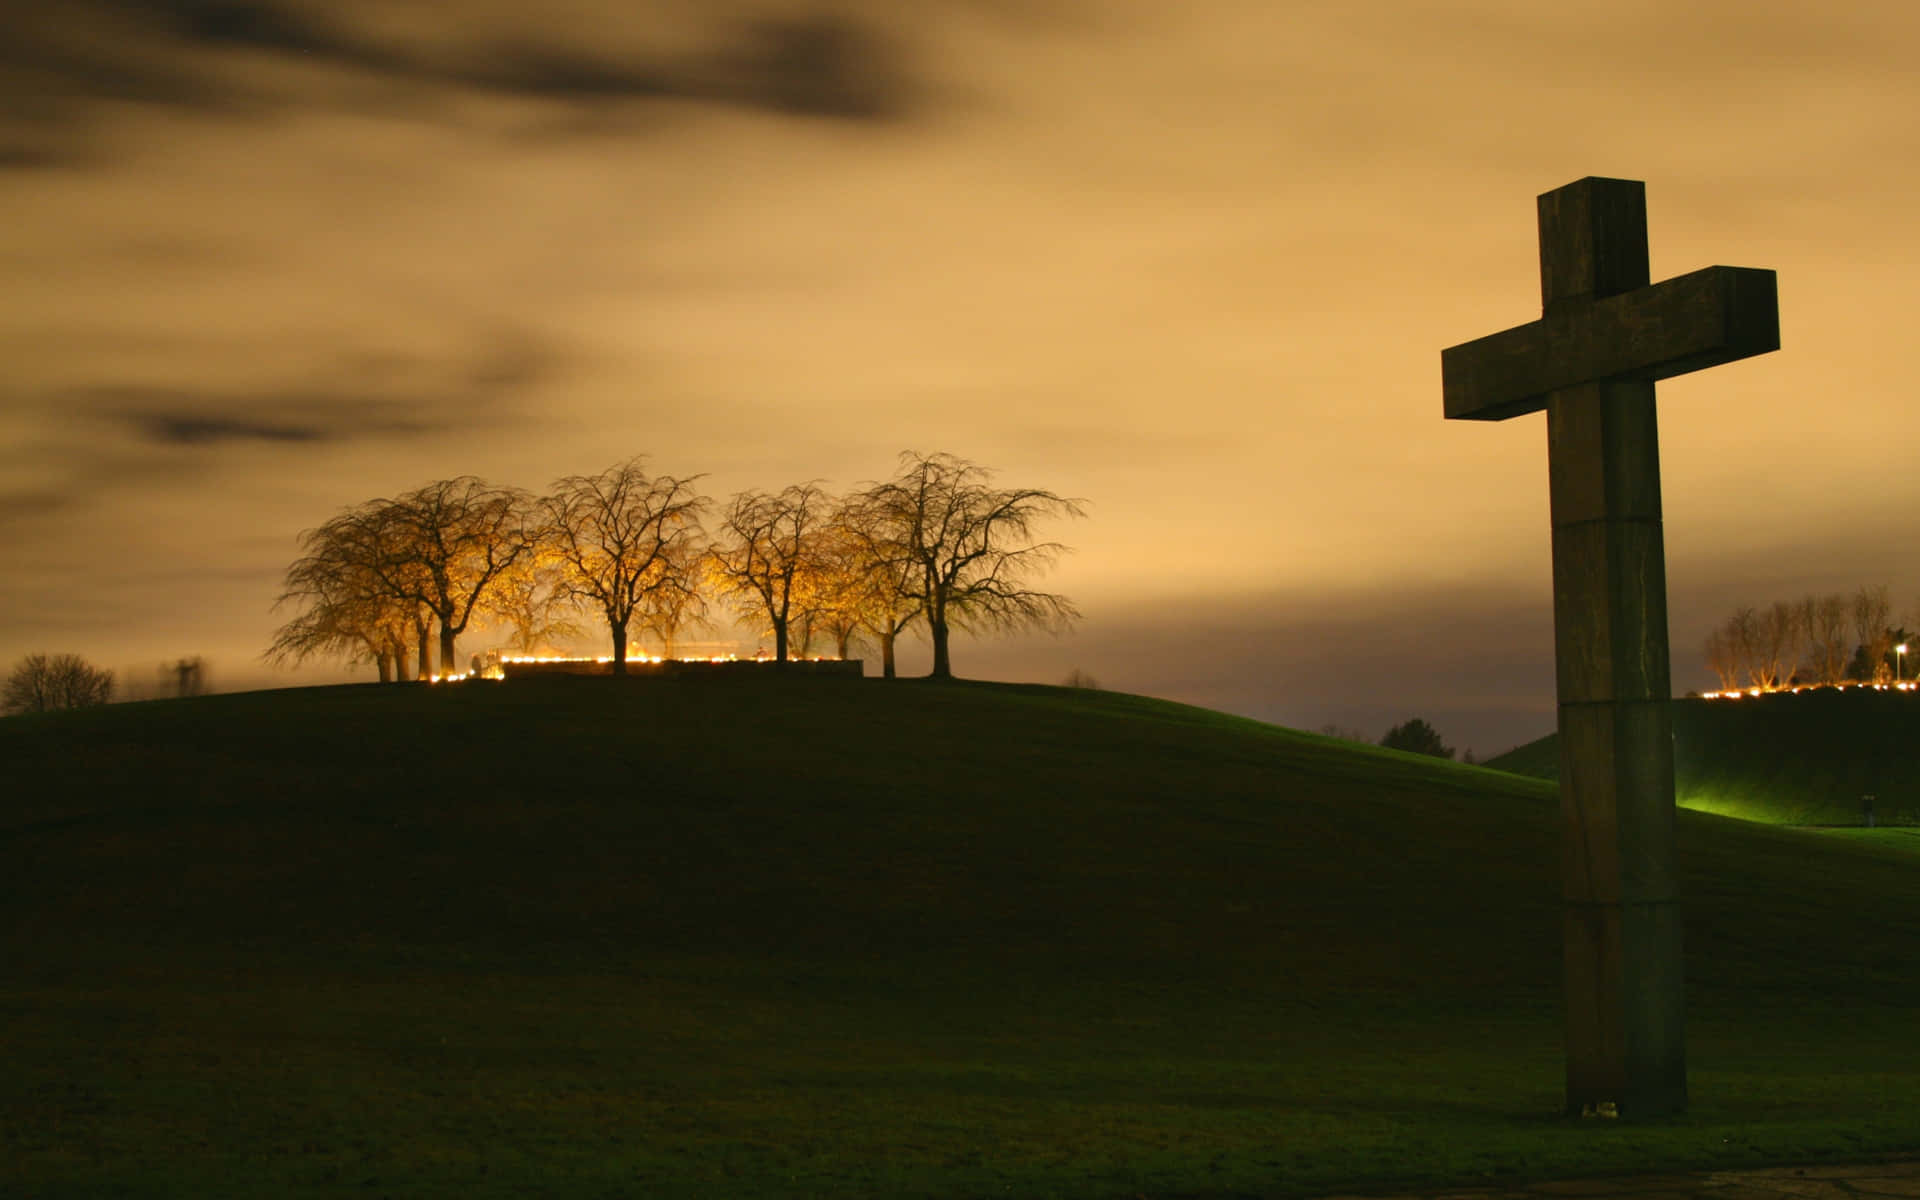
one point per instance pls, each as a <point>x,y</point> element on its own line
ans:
<point>842,639</point>
<point>385,661</point>
<point>886,655</point>
<point>942,664</point>
<point>421,628</point>
<point>619,647</point>
<point>446,649</point>
<point>779,643</point>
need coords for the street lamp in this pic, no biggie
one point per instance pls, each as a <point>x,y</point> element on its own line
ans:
<point>1899,652</point>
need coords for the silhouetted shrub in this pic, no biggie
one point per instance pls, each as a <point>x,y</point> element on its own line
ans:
<point>1416,737</point>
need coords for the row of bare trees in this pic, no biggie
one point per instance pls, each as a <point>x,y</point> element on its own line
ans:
<point>1820,640</point>
<point>937,545</point>
<point>48,682</point>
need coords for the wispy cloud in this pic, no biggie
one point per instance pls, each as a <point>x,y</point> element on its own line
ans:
<point>184,429</point>
<point>253,56</point>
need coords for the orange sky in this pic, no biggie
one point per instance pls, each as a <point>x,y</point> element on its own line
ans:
<point>1194,262</point>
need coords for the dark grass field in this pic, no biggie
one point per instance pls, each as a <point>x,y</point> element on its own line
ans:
<point>834,938</point>
<point>1805,759</point>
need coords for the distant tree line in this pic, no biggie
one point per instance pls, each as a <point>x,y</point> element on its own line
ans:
<point>1821,640</point>
<point>936,548</point>
<point>48,682</point>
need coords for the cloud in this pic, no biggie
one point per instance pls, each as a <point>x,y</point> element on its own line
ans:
<point>21,156</point>
<point>249,23</point>
<point>188,417</point>
<point>819,65</point>
<point>28,504</point>
<point>355,396</point>
<point>257,56</point>
<point>58,55</point>
<point>186,429</point>
<point>95,447</point>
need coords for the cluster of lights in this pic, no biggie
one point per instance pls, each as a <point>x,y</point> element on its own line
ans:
<point>607,658</point>
<point>644,658</point>
<point>496,670</point>
<point>1738,693</point>
<point>1898,685</point>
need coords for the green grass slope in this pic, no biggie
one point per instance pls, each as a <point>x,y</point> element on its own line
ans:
<point>1803,759</point>
<point>835,938</point>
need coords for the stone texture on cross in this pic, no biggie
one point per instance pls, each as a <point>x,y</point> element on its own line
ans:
<point>1604,336</point>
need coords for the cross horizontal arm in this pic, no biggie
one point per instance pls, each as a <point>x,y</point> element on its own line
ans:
<point>1709,317</point>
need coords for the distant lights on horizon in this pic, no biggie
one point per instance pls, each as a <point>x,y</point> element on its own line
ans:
<point>1742,693</point>
<point>646,658</point>
<point>496,672</point>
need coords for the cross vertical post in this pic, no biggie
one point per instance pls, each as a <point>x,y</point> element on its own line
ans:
<point>1604,336</point>
<point>1621,915</point>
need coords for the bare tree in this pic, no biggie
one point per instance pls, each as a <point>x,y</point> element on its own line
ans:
<point>1871,613</point>
<point>447,545</point>
<point>1744,638</point>
<point>882,579</point>
<point>618,536</point>
<point>968,548</point>
<point>1722,659</point>
<point>678,603</point>
<point>767,543</point>
<point>326,629</point>
<point>1777,648</point>
<point>1824,623</point>
<point>188,675</point>
<point>802,625</point>
<point>435,553</point>
<point>531,599</point>
<point>48,682</point>
<point>832,586</point>
<point>421,618</point>
<point>348,607</point>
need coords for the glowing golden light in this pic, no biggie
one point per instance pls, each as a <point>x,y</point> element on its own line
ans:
<point>606,659</point>
<point>1796,689</point>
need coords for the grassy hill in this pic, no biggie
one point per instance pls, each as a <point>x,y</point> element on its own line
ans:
<point>837,938</point>
<point>1803,759</point>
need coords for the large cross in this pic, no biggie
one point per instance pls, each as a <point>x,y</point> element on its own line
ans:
<point>1590,361</point>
